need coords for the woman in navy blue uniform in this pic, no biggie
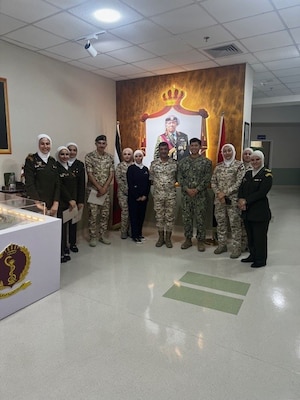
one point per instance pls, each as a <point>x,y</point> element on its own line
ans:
<point>77,168</point>
<point>138,193</point>
<point>68,195</point>
<point>255,208</point>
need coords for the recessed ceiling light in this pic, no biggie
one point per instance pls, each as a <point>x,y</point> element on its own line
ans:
<point>107,15</point>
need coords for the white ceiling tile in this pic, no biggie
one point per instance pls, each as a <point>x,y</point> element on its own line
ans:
<point>267,41</point>
<point>126,69</point>
<point>67,26</point>
<point>184,19</point>
<point>154,7</point>
<point>283,64</point>
<point>106,73</point>
<point>166,46</point>
<point>258,67</point>
<point>296,35</point>
<point>173,70</point>
<point>291,79</point>
<point>291,16</point>
<point>64,4</point>
<point>8,24</point>
<point>101,61</point>
<point>200,65</point>
<point>254,26</point>
<point>35,37</point>
<point>80,65</point>
<point>16,43</point>
<point>277,54</point>
<point>285,3</point>
<point>28,11</point>
<point>189,57</point>
<point>108,42</point>
<point>216,34</point>
<point>286,72</point>
<point>154,64</point>
<point>71,50</point>
<point>86,10</point>
<point>55,56</point>
<point>230,10</point>
<point>131,54</point>
<point>141,32</point>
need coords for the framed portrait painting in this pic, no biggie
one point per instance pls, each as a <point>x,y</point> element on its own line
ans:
<point>5,143</point>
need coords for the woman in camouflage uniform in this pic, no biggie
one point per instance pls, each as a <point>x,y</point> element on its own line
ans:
<point>225,183</point>
<point>121,178</point>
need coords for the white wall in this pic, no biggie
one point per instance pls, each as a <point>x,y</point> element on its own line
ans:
<point>48,96</point>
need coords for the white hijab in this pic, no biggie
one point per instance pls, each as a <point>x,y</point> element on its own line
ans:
<point>259,154</point>
<point>43,156</point>
<point>64,164</point>
<point>228,162</point>
<point>141,166</point>
<point>71,160</point>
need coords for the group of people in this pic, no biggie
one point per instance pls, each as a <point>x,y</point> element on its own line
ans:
<point>240,189</point>
<point>59,183</point>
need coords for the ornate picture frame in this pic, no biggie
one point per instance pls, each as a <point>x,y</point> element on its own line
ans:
<point>5,141</point>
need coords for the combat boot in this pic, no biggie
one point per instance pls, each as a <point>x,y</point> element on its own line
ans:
<point>201,245</point>
<point>235,253</point>
<point>168,242</point>
<point>161,239</point>
<point>220,249</point>
<point>187,243</point>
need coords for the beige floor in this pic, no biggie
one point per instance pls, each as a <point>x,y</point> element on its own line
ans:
<point>110,334</point>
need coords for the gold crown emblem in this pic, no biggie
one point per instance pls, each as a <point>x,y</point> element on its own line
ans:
<point>12,249</point>
<point>173,97</point>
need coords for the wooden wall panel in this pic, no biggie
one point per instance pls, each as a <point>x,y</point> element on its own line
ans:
<point>216,89</point>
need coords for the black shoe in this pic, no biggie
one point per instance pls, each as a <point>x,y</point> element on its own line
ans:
<point>74,248</point>
<point>64,259</point>
<point>142,238</point>
<point>67,257</point>
<point>257,265</point>
<point>248,259</point>
<point>137,240</point>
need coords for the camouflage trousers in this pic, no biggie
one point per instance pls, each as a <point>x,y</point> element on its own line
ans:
<point>123,203</point>
<point>164,212</point>
<point>98,218</point>
<point>194,208</point>
<point>228,217</point>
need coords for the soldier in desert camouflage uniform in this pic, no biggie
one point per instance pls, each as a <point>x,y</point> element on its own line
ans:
<point>163,174</point>
<point>225,182</point>
<point>194,173</point>
<point>100,170</point>
<point>121,178</point>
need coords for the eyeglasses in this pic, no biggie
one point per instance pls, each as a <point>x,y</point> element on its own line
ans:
<point>63,154</point>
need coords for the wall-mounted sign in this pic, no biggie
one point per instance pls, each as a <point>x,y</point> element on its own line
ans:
<point>261,137</point>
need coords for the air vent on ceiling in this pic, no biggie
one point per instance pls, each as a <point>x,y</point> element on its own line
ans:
<point>224,51</point>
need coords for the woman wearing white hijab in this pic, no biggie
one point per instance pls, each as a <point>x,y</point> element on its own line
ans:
<point>121,178</point>
<point>138,192</point>
<point>41,177</point>
<point>68,195</point>
<point>225,182</point>
<point>246,155</point>
<point>77,168</point>
<point>255,208</point>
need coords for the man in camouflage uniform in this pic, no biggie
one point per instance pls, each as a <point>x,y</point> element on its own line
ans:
<point>178,142</point>
<point>100,170</point>
<point>194,174</point>
<point>163,174</point>
<point>121,178</point>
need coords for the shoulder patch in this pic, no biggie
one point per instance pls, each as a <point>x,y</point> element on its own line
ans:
<point>268,174</point>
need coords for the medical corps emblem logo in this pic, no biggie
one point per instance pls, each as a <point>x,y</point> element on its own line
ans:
<point>14,266</point>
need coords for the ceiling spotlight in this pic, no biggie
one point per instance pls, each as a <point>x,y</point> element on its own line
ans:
<point>90,49</point>
<point>107,15</point>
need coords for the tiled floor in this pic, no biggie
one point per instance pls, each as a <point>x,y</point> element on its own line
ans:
<point>110,333</point>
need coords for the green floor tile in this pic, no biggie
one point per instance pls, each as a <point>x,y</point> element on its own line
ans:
<point>204,299</point>
<point>213,282</point>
